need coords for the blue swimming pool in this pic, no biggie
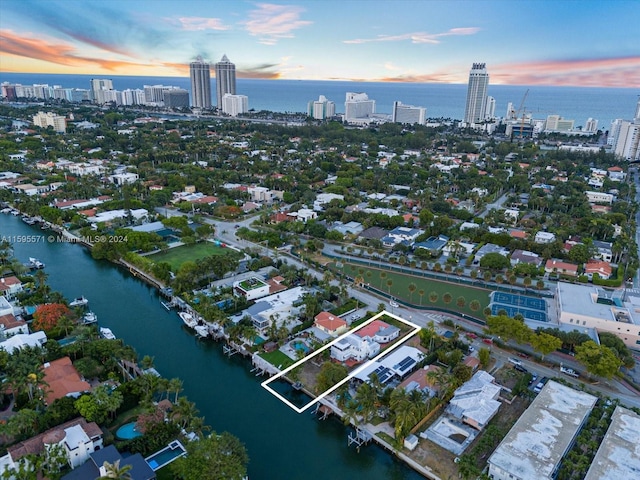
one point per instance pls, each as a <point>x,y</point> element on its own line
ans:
<point>128,431</point>
<point>166,455</point>
<point>301,346</point>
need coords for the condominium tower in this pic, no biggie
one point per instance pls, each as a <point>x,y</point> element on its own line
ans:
<point>225,79</point>
<point>200,84</point>
<point>476,107</point>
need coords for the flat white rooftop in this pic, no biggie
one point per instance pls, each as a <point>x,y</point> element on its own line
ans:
<point>618,457</point>
<point>537,442</point>
<point>581,300</point>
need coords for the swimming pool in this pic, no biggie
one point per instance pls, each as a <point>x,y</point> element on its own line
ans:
<point>298,345</point>
<point>166,455</point>
<point>128,431</point>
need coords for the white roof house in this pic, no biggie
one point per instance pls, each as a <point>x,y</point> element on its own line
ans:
<point>544,237</point>
<point>534,446</point>
<point>353,347</point>
<point>475,401</point>
<point>21,340</point>
<point>619,454</point>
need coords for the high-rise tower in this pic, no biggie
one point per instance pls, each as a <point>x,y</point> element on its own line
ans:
<point>200,84</point>
<point>225,79</point>
<point>476,108</point>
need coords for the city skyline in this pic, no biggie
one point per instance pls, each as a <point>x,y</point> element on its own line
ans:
<point>543,42</point>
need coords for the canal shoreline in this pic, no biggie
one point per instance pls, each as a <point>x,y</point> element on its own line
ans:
<point>256,361</point>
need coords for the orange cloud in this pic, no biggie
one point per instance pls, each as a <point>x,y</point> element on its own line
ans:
<point>260,75</point>
<point>59,53</point>
<point>271,23</point>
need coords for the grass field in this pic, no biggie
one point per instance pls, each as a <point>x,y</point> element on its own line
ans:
<point>185,253</point>
<point>400,289</point>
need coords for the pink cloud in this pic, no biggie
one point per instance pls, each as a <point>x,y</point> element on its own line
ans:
<point>417,37</point>
<point>271,23</point>
<point>202,23</point>
<point>606,72</point>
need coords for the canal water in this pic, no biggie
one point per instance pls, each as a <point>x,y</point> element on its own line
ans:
<point>282,444</point>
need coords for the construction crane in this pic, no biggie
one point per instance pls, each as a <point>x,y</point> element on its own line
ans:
<point>519,113</point>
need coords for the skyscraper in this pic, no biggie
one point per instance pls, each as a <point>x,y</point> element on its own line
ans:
<point>358,108</point>
<point>200,84</point>
<point>225,79</point>
<point>98,87</point>
<point>476,107</point>
<point>321,109</point>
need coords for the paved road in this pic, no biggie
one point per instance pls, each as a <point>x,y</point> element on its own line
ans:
<point>225,231</point>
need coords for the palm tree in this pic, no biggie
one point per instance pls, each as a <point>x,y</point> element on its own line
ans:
<point>175,385</point>
<point>412,288</point>
<point>433,297</point>
<point>383,275</point>
<point>115,471</point>
<point>389,285</point>
<point>461,301</point>
<point>447,298</point>
<point>474,305</point>
<point>421,293</point>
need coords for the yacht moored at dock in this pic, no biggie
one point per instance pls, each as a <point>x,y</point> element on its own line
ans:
<point>107,333</point>
<point>188,319</point>
<point>89,318</point>
<point>34,263</point>
<point>79,302</point>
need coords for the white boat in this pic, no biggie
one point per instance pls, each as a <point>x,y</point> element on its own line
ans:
<point>35,263</point>
<point>107,333</point>
<point>78,302</point>
<point>188,319</point>
<point>89,318</point>
<point>202,330</point>
<point>5,210</point>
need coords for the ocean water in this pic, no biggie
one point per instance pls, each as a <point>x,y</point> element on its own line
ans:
<point>441,100</point>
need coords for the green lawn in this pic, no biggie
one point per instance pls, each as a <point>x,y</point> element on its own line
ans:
<point>277,358</point>
<point>400,289</point>
<point>178,255</point>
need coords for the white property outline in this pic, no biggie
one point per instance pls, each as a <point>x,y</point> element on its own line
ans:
<point>266,383</point>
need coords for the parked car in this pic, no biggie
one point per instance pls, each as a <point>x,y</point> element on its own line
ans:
<point>570,371</point>
<point>515,361</point>
<point>520,368</point>
<point>522,355</point>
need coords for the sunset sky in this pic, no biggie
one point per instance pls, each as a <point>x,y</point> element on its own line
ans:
<point>523,42</point>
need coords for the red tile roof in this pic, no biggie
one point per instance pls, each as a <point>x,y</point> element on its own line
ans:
<point>371,329</point>
<point>329,321</point>
<point>63,378</point>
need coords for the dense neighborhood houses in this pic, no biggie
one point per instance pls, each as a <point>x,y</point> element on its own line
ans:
<point>314,248</point>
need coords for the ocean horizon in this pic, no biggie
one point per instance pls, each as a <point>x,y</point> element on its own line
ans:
<point>440,100</point>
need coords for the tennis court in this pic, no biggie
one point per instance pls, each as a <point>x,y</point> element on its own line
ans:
<point>512,311</point>
<point>531,303</point>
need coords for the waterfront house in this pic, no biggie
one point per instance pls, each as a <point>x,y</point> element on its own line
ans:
<point>330,324</point>
<point>63,380</point>
<point>355,348</point>
<point>379,331</point>
<point>78,438</point>
<point>21,340</point>
<point>251,288</point>
<point>10,325</point>
<point>94,467</point>
<point>10,287</point>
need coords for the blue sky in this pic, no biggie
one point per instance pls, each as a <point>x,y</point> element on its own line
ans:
<point>558,42</point>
